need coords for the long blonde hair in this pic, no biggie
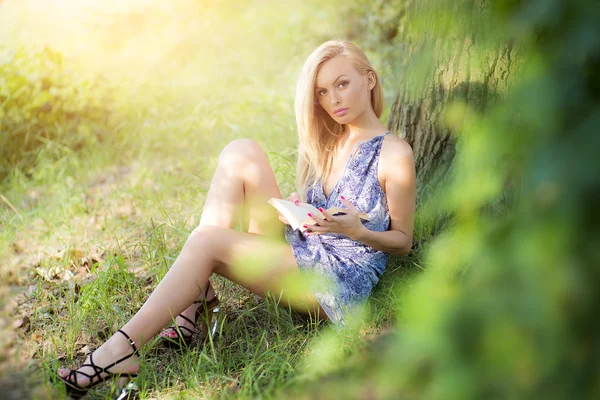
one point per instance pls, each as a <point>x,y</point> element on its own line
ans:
<point>317,131</point>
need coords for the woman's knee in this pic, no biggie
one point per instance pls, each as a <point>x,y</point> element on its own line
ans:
<point>202,241</point>
<point>240,152</point>
<point>203,229</point>
<point>214,240</point>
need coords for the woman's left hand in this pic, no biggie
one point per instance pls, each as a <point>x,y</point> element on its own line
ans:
<point>348,224</point>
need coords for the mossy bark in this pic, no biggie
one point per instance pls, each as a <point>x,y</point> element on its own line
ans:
<point>455,73</point>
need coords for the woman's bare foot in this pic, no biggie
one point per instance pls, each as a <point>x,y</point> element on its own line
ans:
<point>112,350</point>
<point>190,313</point>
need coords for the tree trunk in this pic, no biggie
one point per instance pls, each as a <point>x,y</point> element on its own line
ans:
<point>418,115</point>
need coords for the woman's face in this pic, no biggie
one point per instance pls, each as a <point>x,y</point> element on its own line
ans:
<point>340,87</point>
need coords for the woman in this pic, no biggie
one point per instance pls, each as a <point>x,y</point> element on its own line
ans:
<point>346,158</point>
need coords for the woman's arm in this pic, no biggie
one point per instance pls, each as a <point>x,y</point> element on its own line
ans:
<point>398,165</point>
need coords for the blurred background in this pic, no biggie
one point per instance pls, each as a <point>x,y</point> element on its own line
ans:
<point>113,114</point>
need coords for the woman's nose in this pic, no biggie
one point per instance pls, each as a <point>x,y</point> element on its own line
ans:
<point>334,99</point>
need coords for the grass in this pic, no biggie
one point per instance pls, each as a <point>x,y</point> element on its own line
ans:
<point>90,234</point>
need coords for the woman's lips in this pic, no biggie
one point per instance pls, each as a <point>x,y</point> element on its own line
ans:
<point>341,112</point>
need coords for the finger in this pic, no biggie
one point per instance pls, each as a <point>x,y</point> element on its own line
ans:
<point>296,202</point>
<point>317,219</point>
<point>348,204</point>
<point>326,215</point>
<point>314,229</point>
<point>295,198</point>
<point>311,231</point>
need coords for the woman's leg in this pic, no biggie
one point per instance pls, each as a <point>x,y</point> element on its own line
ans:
<point>242,184</point>
<point>223,251</point>
<point>263,265</point>
<point>212,249</point>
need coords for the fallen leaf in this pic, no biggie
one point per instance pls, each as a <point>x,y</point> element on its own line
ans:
<point>234,386</point>
<point>67,275</point>
<point>48,274</point>
<point>22,323</point>
<point>36,337</point>
<point>138,270</point>
<point>81,273</point>
<point>19,246</point>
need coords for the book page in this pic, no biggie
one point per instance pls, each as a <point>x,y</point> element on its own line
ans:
<point>295,214</point>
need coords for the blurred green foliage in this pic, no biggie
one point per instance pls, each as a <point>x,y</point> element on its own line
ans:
<point>47,111</point>
<point>507,304</point>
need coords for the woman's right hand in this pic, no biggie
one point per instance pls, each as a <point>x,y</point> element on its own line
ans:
<point>294,198</point>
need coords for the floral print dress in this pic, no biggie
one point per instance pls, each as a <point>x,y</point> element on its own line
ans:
<point>352,267</point>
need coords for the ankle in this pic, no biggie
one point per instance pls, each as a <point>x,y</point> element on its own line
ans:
<point>210,294</point>
<point>119,345</point>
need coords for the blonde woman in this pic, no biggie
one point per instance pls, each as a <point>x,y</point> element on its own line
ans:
<point>346,158</point>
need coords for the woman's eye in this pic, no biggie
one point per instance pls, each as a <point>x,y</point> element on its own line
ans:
<point>321,92</point>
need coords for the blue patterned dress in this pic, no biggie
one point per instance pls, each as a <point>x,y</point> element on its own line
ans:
<point>353,267</point>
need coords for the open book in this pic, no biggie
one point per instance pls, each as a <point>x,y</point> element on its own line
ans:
<point>297,214</point>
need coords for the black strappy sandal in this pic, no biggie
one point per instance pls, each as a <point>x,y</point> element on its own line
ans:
<point>76,391</point>
<point>208,310</point>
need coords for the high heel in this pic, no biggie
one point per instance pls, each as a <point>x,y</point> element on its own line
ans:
<point>210,318</point>
<point>206,310</point>
<point>76,391</point>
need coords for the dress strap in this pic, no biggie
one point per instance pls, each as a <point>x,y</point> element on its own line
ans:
<point>374,159</point>
<point>380,142</point>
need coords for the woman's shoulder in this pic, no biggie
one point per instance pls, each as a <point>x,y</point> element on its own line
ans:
<point>394,148</point>
<point>396,160</point>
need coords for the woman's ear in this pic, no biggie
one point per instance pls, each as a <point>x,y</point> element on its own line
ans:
<point>371,80</point>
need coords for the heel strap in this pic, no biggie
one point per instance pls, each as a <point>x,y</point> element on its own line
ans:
<point>130,340</point>
<point>131,343</point>
<point>203,300</point>
<point>214,302</point>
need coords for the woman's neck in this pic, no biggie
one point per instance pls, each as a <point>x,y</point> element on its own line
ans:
<point>364,127</point>
<point>350,138</point>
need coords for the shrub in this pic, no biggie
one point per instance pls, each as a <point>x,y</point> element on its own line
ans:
<point>44,103</point>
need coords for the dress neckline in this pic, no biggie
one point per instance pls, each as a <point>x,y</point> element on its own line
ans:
<point>350,158</point>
